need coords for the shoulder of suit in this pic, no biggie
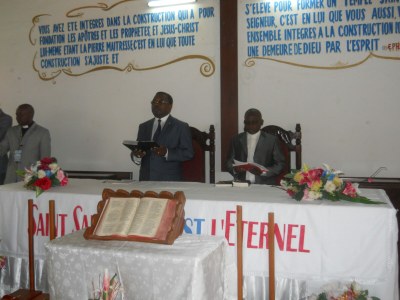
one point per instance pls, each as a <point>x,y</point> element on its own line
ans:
<point>36,126</point>
<point>175,120</point>
<point>268,135</point>
<point>147,122</point>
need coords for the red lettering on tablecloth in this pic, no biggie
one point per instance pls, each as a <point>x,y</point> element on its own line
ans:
<point>301,242</point>
<point>228,225</point>
<point>85,222</point>
<point>288,237</point>
<point>42,223</point>
<point>251,233</point>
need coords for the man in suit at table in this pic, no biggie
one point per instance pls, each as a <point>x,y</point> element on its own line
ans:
<point>254,145</point>
<point>27,143</point>
<point>163,163</point>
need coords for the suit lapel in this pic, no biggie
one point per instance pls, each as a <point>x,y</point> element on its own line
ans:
<point>167,125</point>
<point>243,144</point>
<point>262,141</point>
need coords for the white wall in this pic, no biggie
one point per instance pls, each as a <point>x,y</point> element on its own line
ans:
<point>89,116</point>
<point>349,117</point>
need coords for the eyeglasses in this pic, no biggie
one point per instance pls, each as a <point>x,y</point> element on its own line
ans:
<point>158,101</point>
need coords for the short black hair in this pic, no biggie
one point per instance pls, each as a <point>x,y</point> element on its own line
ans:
<point>28,107</point>
<point>165,96</point>
<point>253,112</point>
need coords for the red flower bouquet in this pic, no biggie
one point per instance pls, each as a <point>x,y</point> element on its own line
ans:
<point>43,175</point>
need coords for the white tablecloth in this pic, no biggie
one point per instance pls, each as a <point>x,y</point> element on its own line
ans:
<point>192,268</point>
<point>316,242</point>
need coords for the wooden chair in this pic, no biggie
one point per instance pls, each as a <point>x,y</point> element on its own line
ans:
<point>31,293</point>
<point>290,143</point>
<point>195,169</point>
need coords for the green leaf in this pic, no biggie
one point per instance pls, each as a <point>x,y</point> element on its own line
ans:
<point>20,173</point>
<point>54,181</point>
<point>39,191</point>
<point>298,196</point>
<point>360,199</point>
<point>322,297</point>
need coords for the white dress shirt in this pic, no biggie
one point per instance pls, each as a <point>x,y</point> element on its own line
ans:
<point>252,140</point>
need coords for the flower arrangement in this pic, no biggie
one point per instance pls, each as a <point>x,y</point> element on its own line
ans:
<point>109,289</point>
<point>43,175</point>
<point>339,291</point>
<point>321,183</point>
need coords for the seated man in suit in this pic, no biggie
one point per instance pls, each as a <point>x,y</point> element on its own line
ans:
<point>163,163</point>
<point>257,146</point>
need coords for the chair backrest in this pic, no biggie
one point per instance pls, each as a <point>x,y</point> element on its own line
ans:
<point>290,143</point>
<point>195,169</point>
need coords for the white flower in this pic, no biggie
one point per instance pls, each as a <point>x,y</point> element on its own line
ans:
<point>356,287</point>
<point>330,170</point>
<point>34,167</point>
<point>314,195</point>
<point>53,167</point>
<point>41,174</point>
<point>284,184</point>
<point>311,195</point>
<point>355,185</point>
<point>329,186</point>
<point>27,178</point>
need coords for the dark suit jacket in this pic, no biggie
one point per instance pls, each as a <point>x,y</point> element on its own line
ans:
<point>175,135</point>
<point>268,153</point>
<point>5,123</point>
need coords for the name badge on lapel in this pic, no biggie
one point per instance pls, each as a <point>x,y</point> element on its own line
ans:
<point>17,155</point>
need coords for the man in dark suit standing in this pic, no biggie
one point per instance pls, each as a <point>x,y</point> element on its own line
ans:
<point>257,146</point>
<point>5,123</point>
<point>173,136</point>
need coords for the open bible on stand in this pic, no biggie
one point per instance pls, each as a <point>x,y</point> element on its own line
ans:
<point>148,217</point>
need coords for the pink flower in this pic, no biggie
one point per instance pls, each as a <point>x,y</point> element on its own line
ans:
<point>350,190</point>
<point>315,174</point>
<point>62,178</point>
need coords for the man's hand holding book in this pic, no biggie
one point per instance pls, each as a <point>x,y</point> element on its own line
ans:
<point>251,167</point>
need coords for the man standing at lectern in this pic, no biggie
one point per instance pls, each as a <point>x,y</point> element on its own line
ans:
<point>163,163</point>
